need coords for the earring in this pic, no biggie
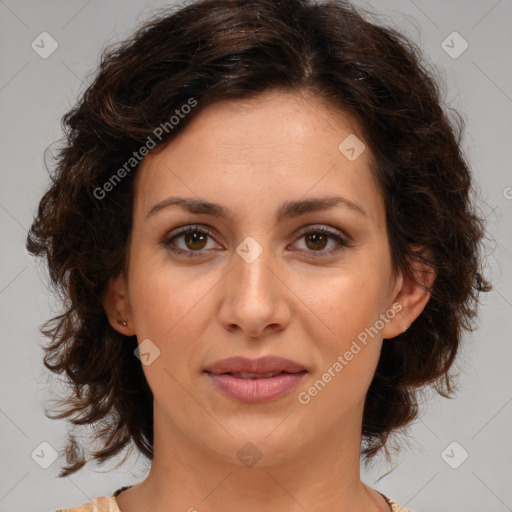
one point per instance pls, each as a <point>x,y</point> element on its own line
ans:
<point>122,322</point>
<point>404,328</point>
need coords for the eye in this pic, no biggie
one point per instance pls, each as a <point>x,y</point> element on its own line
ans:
<point>195,240</point>
<point>317,237</point>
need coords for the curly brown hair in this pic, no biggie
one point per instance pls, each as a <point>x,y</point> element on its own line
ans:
<point>213,50</point>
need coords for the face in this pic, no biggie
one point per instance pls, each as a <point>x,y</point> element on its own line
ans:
<point>265,279</point>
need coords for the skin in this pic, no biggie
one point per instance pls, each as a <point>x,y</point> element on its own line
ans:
<point>251,156</point>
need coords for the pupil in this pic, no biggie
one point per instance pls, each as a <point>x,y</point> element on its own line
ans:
<point>316,236</point>
<point>196,238</point>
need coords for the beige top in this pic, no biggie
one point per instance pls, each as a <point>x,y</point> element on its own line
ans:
<point>104,504</point>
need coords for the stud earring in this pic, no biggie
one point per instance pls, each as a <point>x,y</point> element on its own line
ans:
<point>122,322</point>
<point>404,328</point>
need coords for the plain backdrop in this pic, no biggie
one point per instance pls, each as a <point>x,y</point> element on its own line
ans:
<point>459,453</point>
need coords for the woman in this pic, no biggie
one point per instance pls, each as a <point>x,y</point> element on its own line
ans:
<point>261,222</point>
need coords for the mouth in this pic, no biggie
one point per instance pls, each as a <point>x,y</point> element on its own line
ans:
<point>252,376</point>
<point>244,367</point>
<point>255,381</point>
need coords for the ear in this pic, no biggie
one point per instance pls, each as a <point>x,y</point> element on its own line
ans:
<point>117,305</point>
<point>411,294</point>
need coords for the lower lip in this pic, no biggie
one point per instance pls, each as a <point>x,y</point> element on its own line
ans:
<point>256,390</point>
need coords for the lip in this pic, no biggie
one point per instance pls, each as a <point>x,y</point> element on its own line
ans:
<point>255,389</point>
<point>263,364</point>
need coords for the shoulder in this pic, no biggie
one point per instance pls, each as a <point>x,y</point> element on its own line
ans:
<point>101,504</point>
<point>395,507</point>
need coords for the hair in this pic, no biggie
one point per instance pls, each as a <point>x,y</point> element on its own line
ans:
<point>214,50</point>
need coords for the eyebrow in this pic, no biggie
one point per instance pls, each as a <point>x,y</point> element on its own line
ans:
<point>289,209</point>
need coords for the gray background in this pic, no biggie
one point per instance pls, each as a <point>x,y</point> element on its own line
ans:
<point>36,92</point>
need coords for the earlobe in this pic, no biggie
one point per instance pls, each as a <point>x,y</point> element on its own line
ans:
<point>412,295</point>
<point>117,305</point>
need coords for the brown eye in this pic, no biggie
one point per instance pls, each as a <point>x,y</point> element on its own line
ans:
<point>318,241</point>
<point>194,241</point>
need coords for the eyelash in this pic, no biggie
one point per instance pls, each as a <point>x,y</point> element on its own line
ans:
<point>166,242</point>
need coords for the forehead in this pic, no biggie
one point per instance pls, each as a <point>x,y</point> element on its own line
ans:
<point>270,148</point>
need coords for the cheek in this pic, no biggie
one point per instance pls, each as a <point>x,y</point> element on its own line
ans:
<point>347,305</point>
<point>166,298</point>
<point>349,352</point>
<point>172,307</point>
<point>171,310</point>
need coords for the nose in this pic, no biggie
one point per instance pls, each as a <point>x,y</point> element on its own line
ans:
<point>255,297</point>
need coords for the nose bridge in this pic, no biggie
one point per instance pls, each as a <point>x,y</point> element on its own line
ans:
<point>254,299</point>
<point>252,267</point>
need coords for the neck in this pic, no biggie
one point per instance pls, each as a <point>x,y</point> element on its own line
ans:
<point>187,475</point>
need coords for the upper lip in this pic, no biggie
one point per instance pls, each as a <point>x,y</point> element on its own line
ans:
<point>265,364</point>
